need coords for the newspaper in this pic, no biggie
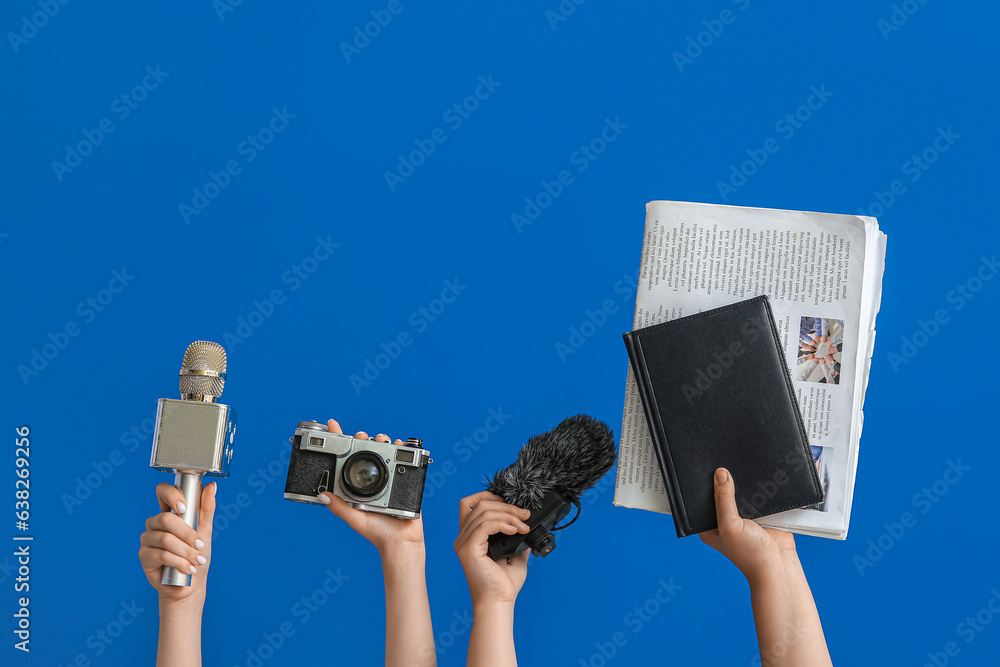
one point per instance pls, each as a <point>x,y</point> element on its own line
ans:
<point>823,276</point>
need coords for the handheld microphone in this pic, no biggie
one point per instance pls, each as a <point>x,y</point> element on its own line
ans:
<point>551,472</point>
<point>194,435</point>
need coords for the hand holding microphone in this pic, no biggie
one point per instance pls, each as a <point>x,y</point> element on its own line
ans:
<point>480,516</point>
<point>168,542</point>
<point>551,472</point>
<point>194,436</point>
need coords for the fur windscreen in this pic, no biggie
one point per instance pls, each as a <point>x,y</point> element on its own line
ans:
<point>573,457</point>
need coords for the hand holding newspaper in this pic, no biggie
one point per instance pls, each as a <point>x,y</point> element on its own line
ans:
<point>823,275</point>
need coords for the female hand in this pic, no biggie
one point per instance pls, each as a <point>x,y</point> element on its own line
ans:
<point>755,550</point>
<point>169,542</point>
<point>479,516</point>
<point>384,531</point>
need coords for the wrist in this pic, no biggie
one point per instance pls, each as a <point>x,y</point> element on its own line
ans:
<point>490,606</point>
<point>782,569</point>
<point>190,606</point>
<point>403,557</point>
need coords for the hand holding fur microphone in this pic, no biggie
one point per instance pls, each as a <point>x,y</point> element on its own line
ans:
<point>550,474</point>
<point>194,435</point>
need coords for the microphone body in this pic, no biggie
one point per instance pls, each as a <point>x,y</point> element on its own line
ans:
<point>194,434</point>
<point>551,472</point>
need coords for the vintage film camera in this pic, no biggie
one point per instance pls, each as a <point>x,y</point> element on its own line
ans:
<point>371,476</point>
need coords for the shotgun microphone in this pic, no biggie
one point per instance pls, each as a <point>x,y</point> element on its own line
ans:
<point>551,472</point>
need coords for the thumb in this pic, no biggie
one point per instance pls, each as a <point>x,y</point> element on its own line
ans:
<point>206,514</point>
<point>339,506</point>
<point>730,522</point>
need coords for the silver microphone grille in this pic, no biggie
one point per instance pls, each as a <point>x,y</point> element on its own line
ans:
<point>204,355</point>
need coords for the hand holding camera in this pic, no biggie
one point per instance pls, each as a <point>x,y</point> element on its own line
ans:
<point>385,531</point>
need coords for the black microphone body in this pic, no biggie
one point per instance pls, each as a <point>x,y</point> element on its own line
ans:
<point>551,472</point>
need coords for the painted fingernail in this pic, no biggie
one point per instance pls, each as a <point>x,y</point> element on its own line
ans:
<point>325,499</point>
<point>193,571</point>
<point>201,560</point>
<point>181,507</point>
<point>721,476</point>
<point>198,544</point>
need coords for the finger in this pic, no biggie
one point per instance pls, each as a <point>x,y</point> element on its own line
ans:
<point>382,437</point>
<point>465,505</point>
<point>333,426</point>
<point>206,515</point>
<point>361,435</point>
<point>170,498</point>
<point>485,500</point>
<point>478,537</point>
<point>399,442</point>
<point>496,511</point>
<point>491,505</point>
<point>169,542</point>
<point>338,506</point>
<point>168,522</point>
<point>730,523</point>
<point>152,559</point>
<point>482,527</point>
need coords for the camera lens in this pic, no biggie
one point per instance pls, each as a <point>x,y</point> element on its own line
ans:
<point>365,475</point>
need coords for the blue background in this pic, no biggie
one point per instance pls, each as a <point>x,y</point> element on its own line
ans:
<point>323,176</point>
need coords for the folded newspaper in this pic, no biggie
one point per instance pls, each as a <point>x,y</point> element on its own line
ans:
<point>823,275</point>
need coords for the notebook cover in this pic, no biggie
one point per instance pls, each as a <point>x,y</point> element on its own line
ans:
<point>717,393</point>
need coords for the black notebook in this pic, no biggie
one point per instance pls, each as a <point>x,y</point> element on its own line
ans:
<point>717,393</point>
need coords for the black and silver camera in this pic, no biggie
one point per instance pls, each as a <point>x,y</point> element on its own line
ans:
<point>372,476</point>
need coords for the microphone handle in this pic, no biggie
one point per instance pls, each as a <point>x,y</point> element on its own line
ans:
<point>190,485</point>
